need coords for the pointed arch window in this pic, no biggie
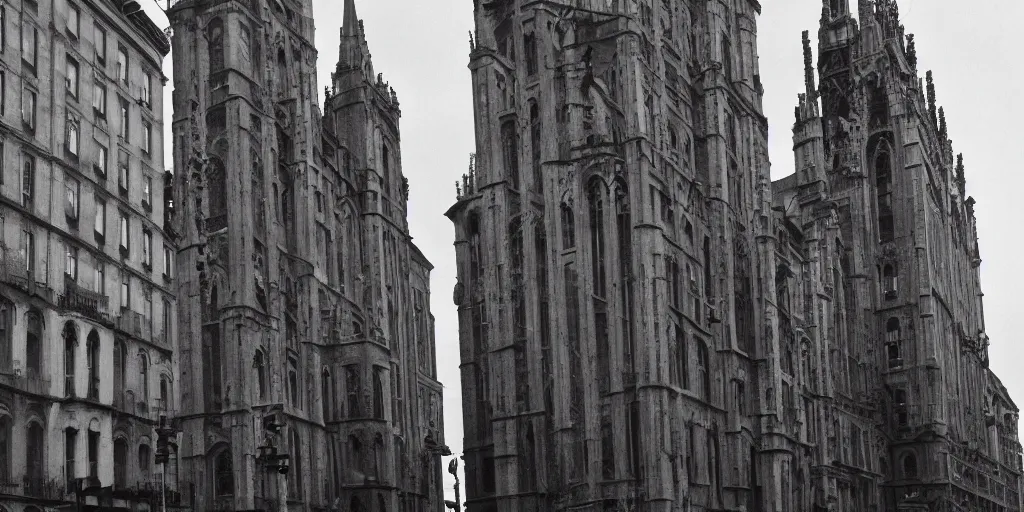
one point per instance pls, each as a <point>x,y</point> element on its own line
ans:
<point>378,458</point>
<point>682,360</point>
<point>883,186</point>
<point>889,281</point>
<point>355,456</point>
<point>217,189</point>
<point>35,443</point>
<point>144,378</point>
<point>325,393</point>
<point>596,195</point>
<point>92,351</point>
<point>7,312</point>
<point>6,426</point>
<point>353,388</point>
<point>568,227</point>
<point>295,474</point>
<point>893,342</point>
<point>510,146</point>
<point>624,236</point>
<point>215,40</point>
<point>145,458</point>
<point>224,476</point>
<point>910,466</point>
<point>535,146</point>
<point>34,344</point>
<point>378,392</point>
<point>120,463</point>
<point>703,371</point>
<point>727,57</point>
<point>530,49</point>
<point>260,364</point>
<point>70,343</point>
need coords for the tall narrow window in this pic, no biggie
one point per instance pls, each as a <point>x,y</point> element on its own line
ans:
<point>293,382</point>
<point>883,185</point>
<point>682,361</point>
<point>147,138</point>
<point>510,146</point>
<point>120,362</point>
<point>224,476</point>
<point>29,46</point>
<point>889,281</point>
<point>120,464</point>
<point>596,203</point>
<point>126,299</point>
<point>71,262</point>
<point>94,454</point>
<point>568,227</point>
<point>893,339</point>
<point>70,442</point>
<point>215,40</point>
<point>147,249</point>
<point>28,252</point>
<point>70,344</point>
<point>703,371</point>
<point>535,147</point>
<point>261,375</point>
<point>100,41</point>
<point>385,158</point>
<point>147,89</point>
<point>72,136</point>
<point>124,118</point>
<point>325,395</point>
<point>607,448</point>
<point>7,312</point>
<point>295,474</point>
<point>28,109</point>
<point>100,220</point>
<point>353,388</point>
<point>73,19</point>
<point>378,392</point>
<point>122,65</point>
<point>99,100</point>
<point>71,78</point>
<point>92,355</point>
<point>125,234</point>
<point>530,49</point>
<point>71,193</point>
<point>144,379</point>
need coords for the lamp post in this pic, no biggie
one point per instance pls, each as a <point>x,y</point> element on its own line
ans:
<point>164,434</point>
<point>453,469</point>
<point>274,461</point>
<point>431,448</point>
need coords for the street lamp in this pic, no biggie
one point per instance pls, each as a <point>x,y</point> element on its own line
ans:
<point>453,468</point>
<point>272,460</point>
<point>164,435</point>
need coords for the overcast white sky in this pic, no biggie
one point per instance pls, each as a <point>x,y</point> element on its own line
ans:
<point>423,50</point>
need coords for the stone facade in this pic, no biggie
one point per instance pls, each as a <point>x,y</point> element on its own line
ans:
<point>647,322</point>
<point>302,294</point>
<point>87,362</point>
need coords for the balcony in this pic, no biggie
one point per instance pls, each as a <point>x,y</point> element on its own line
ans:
<point>35,487</point>
<point>84,302</point>
<point>135,324</point>
<point>29,382</point>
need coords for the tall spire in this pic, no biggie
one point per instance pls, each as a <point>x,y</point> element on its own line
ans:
<point>931,98</point>
<point>350,23</point>
<point>809,68</point>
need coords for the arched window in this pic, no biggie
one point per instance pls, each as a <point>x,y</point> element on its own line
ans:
<point>5,447</point>
<point>295,473</point>
<point>510,146</point>
<point>34,343</point>
<point>595,198</point>
<point>727,57</point>
<point>120,463</point>
<point>223,475</point>
<point>475,270</point>
<point>218,193</point>
<point>909,466</point>
<point>703,370</point>
<point>35,440</point>
<point>378,457</point>
<point>893,340</point>
<point>378,392</point>
<point>673,140</point>
<point>355,454</point>
<point>325,393</point>
<point>120,361</point>
<point>7,312</point>
<point>535,145</point>
<point>883,185</point>
<point>889,281</point>
<point>743,293</point>
<point>682,360</point>
<point>215,40</point>
<point>624,238</point>
<point>144,378</point>
<point>165,393</point>
<point>568,227</point>
<point>70,336</point>
<point>92,350</point>
<point>353,386</point>
<point>145,459</point>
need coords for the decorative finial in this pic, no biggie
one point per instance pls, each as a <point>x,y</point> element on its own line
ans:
<point>472,45</point>
<point>942,123</point>
<point>931,97</point>
<point>911,51</point>
<point>809,67</point>
<point>961,179</point>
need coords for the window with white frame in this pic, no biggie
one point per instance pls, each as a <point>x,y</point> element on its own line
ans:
<point>71,192</point>
<point>71,262</point>
<point>101,217</point>
<point>71,80</point>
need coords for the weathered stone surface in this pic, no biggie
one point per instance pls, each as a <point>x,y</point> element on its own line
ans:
<point>301,291</point>
<point>647,322</point>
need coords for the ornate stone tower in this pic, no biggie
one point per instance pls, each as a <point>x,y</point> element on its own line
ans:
<point>303,295</point>
<point>908,415</point>
<point>610,244</point>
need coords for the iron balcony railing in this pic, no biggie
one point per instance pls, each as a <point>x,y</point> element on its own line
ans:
<point>82,301</point>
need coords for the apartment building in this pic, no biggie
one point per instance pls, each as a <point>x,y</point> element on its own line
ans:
<point>86,304</point>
